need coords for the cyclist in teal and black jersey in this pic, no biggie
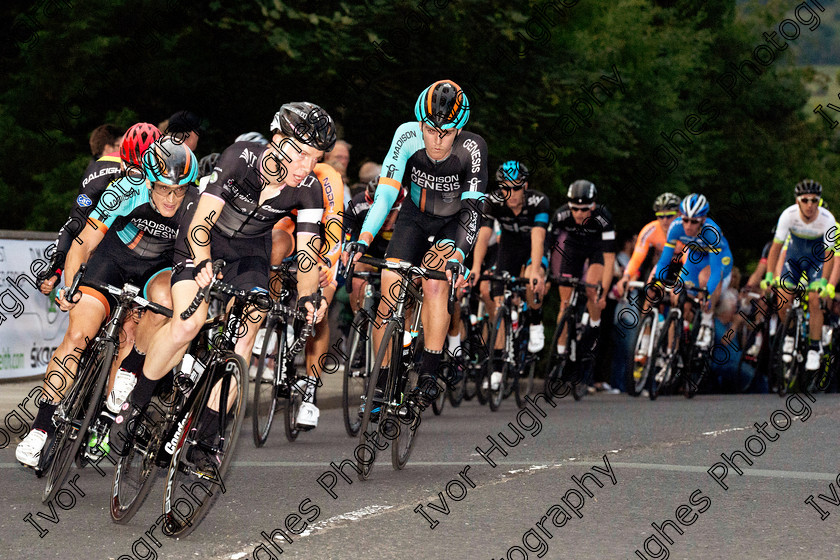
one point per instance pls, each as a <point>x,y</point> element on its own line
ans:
<point>98,175</point>
<point>130,237</point>
<point>445,171</point>
<point>523,216</point>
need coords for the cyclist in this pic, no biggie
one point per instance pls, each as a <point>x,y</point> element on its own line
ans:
<point>523,216</point>
<point>252,137</point>
<point>706,248</point>
<point>130,237</point>
<point>582,230</point>
<point>98,175</point>
<point>810,252</point>
<point>651,239</point>
<point>444,169</point>
<point>357,211</point>
<point>283,246</point>
<point>252,188</point>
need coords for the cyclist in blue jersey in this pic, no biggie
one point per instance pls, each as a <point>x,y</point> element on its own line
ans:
<point>708,261</point>
<point>810,251</point>
<point>444,169</point>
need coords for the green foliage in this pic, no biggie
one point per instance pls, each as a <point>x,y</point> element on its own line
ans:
<point>366,62</point>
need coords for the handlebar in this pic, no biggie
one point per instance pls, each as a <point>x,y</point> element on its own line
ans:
<point>204,293</point>
<point>128,289</point>
<point>408,270</point>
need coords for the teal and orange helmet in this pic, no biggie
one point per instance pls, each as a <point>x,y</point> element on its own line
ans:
<point>443,105</point>
<point>170,163</point>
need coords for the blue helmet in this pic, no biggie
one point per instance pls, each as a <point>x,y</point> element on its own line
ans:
<point>169,162</point>
<point>512,171</point>
<point>694,206</point>
<point>443,105</point>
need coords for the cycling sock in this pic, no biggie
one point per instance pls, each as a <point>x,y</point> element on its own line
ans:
<point>534,316</point>
<point>453,343</point>
<point>498,360</point>
<point>815,344</point>
<point>430,362</point>
<point>134,361</point>
<point>43,420</point>
<point>311,384</point>
<point>593,323</point>
<point>383,378</point>
<point>208,425</point>
<point>142,393</point>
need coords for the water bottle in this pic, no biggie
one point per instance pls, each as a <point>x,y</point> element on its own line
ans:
<point>826,335</point>
<point>514,320</point>
<point>191,369</point>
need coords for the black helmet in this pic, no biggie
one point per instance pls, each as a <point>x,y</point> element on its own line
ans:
<point>169,162</point>
<point>808,186</point>
<point>307,123</point>
<point>512,171</point>
<point>206,164</point>
<point>582,192</point>
<point>666,201</point>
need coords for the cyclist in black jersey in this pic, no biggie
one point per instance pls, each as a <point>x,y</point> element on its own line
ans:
<point>582,231</point>
<point>444,170</point>
<point>129,237</point>
<point>98,175</point>
<point>251,189</point>
<point>353,219</point>
<point>523,217</point>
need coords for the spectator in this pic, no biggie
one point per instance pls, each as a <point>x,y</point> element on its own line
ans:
<point>725,375</point>
<point>105,139</point>
<point>185,126</point>
<point>339,159</point>
<point>368,172</point>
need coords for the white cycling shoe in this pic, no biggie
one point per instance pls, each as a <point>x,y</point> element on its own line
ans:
<point>307,415</point>
<point>29,450</point>
<point>536,338</point>
<point>812,363</point>
<point>123,385</point>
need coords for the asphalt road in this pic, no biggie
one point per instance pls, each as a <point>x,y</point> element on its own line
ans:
<point>594,476</point>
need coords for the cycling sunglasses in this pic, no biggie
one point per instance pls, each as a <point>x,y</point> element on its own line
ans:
<point>805,200</point>
<point>163,189</point>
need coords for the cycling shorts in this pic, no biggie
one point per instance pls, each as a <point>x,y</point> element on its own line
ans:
<point>416,232</point>
<point>246,260</point>
<point>568,259</point>
<point>113,263</point>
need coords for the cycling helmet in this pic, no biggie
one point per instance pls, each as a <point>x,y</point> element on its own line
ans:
<point>694,206</point>
<point>512,171</point>
<point>307,123</point>
<point>824,204</point>
<point>443,105</point>
<point>808,186</point>
<point>370,192</point>
<point>666,201</point>
<point>170,163</point>
<point>207,163</point>
<point>252,137</point>
<point>137,140</point>
<point>582,192</point>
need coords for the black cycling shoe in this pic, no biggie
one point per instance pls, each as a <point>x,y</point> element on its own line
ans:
<point>426,392</point>
<point>206,463</point>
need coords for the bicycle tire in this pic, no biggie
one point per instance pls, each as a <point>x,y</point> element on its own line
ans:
<point>495,396</point>
<point>354,386</point>
<point>786,371</point>
<point>138,466</point>
<point>181,474</point>
<point>744,359</point>
<point>636,372</point>
<point>524,382</point>
<point>91,379</point>
<point>291,408</point>
<point>456,390</point>
<point>392,338</point>
<point>557,362</point>
<point>403,444</point>
<point>439,402</point>
<point>663,358</point>
<point>265,390</point>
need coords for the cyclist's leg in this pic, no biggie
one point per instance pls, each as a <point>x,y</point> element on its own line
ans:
<point>85,319</point>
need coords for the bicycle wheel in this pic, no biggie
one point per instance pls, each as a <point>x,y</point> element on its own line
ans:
<point>82,404</point>
<point>748,360</point>
<point>458,383</point>
<point>440,401</point>
<point>196,472</point>
<point>405,429</point>
<point>266,380</point>
<point>500,326</point>
<point>696,369</point>
<point>556,361</point>
<point>391,340</point>
<point>785,371</point>
<point>292,405</point>
<point>354,384</point>
<point>663,359</point>
<point>524,385</point>
<point>136,471</point>
<point>636,372</point>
